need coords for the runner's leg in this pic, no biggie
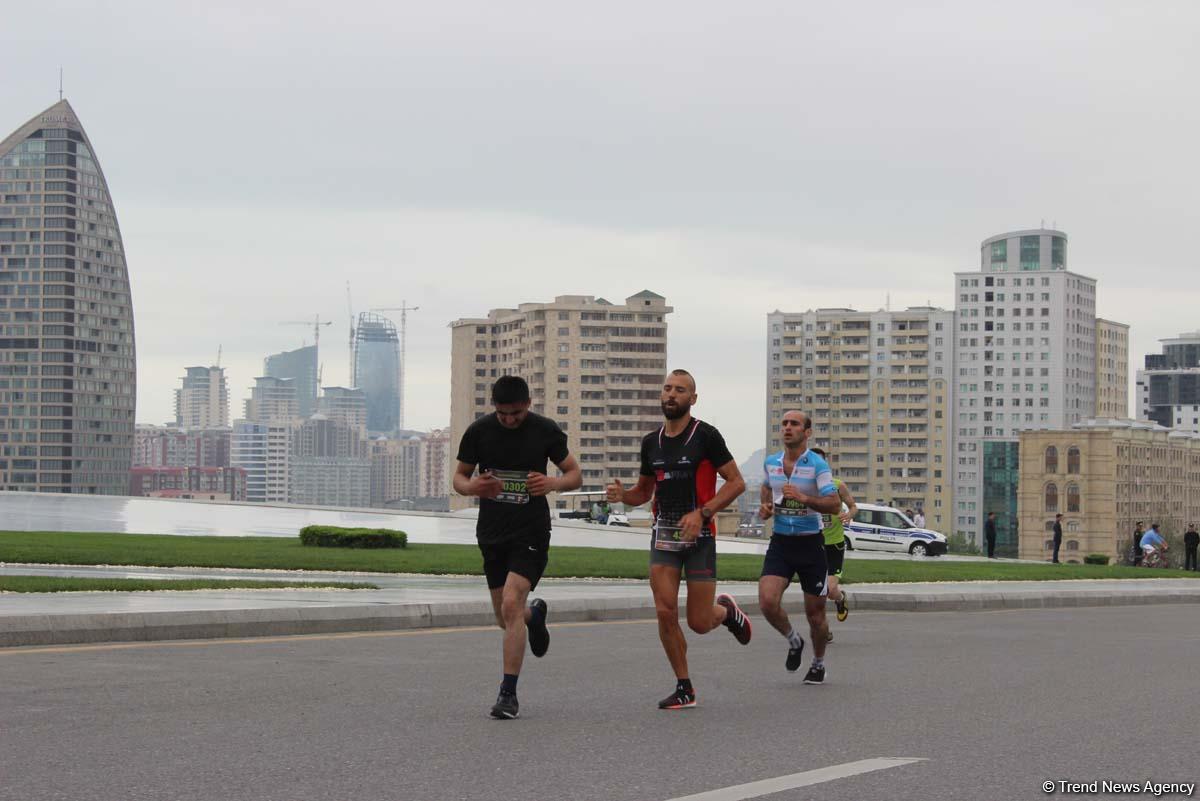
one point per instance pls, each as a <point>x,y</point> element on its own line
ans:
<point>664,584</point>
<point>702,614</point>
<point>514,612</point>
<point>497,601</point>
<point>818,627</point>
<point>770,602</point>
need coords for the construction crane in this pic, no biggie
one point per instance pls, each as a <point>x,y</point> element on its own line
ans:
<point>404,309</point>
<point>315,323</point>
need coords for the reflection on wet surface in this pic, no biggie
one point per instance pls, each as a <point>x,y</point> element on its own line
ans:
<point>44,512</point>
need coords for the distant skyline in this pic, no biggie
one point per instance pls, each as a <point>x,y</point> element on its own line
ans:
<point>734,160</point>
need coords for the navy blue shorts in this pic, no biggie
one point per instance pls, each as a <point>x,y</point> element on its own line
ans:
<point>798,555</point>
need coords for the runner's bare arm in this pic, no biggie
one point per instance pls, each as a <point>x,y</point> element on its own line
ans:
<point>484,485</point>
<point>766,507</point>
<point>572,478</point>
<point>848,499</point>
<point>635,496</point>
<point>734,486</point>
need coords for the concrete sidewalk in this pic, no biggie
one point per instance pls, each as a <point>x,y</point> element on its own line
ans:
<point>408,601</point>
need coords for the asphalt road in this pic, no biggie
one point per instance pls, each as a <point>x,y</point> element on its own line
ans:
<point>994,702</point>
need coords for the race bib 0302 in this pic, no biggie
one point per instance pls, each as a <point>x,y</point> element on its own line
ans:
<point>514,486</point>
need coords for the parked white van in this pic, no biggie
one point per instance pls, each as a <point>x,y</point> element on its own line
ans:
<point>884,528</point>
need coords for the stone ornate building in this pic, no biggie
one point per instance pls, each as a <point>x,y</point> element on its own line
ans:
<point>1103,476</point>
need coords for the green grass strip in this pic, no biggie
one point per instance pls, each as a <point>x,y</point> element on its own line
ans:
<point>158,550</point>
<point>72,584</point>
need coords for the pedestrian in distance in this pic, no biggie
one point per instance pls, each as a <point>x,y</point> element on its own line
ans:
<point>1057,536</point>
<point>1136,543</point>
<point>1191,539</point>
<point>680,462</point>
<point>797,489</point>
<point>510,448</point>
<point>989,533</point>
<point>919,519</point>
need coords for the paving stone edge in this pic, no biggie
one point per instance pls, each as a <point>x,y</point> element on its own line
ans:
<point>64,629</point>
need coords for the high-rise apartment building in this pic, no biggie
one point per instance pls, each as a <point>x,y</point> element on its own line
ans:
<point>203,400</point>
<point>345,405</point>
<point>330,463</point>
<point>395,471</point>
<point>1112,370</point>
<point>594,367</point>
<point>1168,387</point>
<point>67,366</point>
<point>377,370</point>
<point>879,388</point>
<point>263,450</point>
<point>301,367</point>
<point>273,400</point>
<point>1025,358</point>
<point>436,464</point>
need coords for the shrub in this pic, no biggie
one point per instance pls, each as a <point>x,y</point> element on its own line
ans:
<point>1096,559</point>
<point>958,543</point>
<point>338,537</point>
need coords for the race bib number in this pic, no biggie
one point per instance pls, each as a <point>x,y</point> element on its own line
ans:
<point>514,486</point>
<point>670,538</point>
<point>790,507</point>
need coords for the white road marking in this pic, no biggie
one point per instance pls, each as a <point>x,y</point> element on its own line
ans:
<point>739,792</point>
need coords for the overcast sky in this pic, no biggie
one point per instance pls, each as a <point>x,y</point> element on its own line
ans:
<point>735,158</point>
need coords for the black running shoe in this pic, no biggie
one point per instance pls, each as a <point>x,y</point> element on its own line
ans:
<point>736,621</point>
<point>793,658</point>
<point>843,609</point>
<point>506,707</point>
<point>539,635</point>
<point>816,675</point>
<point>680,699</point>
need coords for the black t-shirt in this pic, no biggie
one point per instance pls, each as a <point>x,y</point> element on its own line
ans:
<point>1058,531</point>
<point>1191,539</point>
<point>684,469</point>
<point>511,454</point>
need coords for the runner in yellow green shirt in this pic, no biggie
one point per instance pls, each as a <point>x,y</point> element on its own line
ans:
<point>835,545</point>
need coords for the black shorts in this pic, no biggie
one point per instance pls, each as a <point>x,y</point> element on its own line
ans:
<point>802,556</point>
<point>698,562</point>
<point>835,555</point>
<point>525,554</point>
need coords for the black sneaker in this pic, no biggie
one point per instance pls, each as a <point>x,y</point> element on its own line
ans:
<point>736,621</point>
<point>843,609</point>
<point>793,658</point>
<point>506,707</point>
<point>816,675</point>
<point>680,699</point>
<point>539,635</point>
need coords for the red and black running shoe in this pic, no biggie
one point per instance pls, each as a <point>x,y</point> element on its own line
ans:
<point>736,620</point>
<point>680,699</point>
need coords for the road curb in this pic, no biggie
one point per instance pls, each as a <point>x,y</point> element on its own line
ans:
<point>65,629</point>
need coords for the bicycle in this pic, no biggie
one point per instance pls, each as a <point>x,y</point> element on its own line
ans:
<point>1155,558</point>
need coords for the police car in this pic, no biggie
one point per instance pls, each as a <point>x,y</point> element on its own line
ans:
<point>884,528</point>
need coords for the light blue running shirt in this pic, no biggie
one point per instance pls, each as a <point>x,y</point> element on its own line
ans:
<point>812,476</point>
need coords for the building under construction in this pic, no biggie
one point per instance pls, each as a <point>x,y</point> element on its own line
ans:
<point>377,370</point>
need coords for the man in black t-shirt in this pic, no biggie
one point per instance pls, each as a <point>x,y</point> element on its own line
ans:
<point>680,464</point>
<point>510,449</point>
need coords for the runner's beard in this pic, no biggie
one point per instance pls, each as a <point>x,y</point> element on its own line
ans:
<point>677,411</point>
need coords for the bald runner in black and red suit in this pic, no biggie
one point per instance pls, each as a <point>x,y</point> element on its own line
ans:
<point>680,464</point>
<point>684,468</point>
